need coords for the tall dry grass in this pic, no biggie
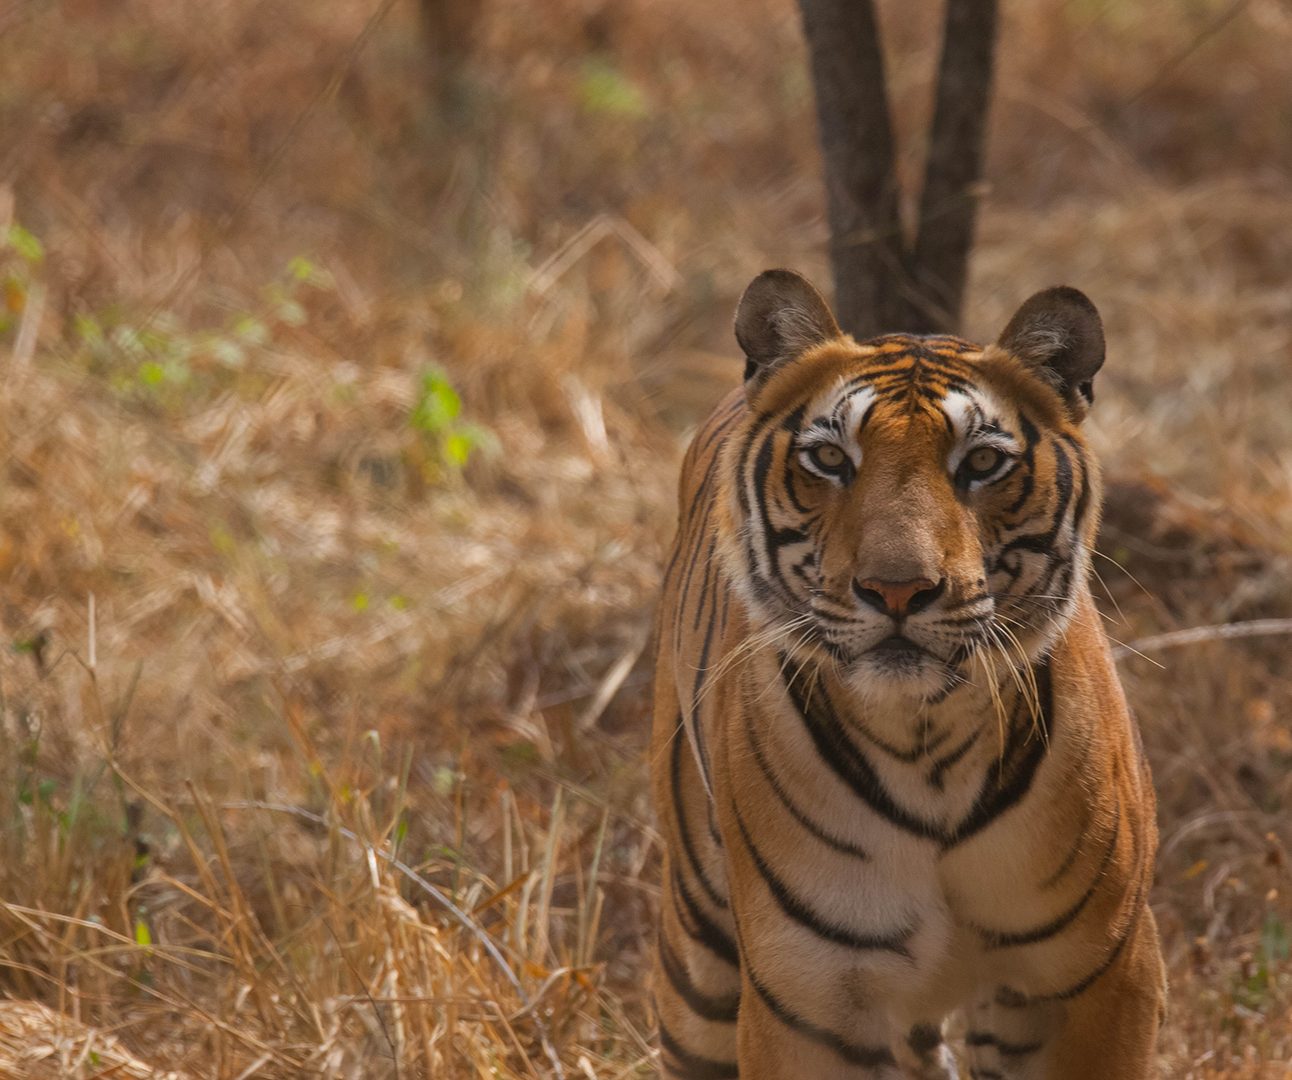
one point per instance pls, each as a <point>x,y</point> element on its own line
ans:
<point>324,753</point>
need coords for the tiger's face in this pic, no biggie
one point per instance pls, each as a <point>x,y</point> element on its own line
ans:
<point>907,505</point>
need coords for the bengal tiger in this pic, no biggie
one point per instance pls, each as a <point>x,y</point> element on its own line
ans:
<point>907,818</point>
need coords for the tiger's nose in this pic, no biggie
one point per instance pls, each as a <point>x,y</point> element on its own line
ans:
<point>898,598</point>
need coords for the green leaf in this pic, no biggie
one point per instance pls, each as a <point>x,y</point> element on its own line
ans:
<point>88,329</point>
<point>222,540</point>
<point>151,373</point>
<point>142,935</point>
<point>457,448</point>
<point>603,88</point>
<point>250,329</point>
<point>25,244</point>
<point>437,406</point>
<point>301,268</point>
<point>481,438</point>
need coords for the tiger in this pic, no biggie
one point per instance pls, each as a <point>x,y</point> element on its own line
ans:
<point>908,826</point>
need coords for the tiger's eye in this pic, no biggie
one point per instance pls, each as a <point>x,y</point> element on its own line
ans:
<point>984,460</point>
<point>828,457</point>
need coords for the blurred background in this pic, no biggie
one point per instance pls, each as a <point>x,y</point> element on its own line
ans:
<point>347,355</point>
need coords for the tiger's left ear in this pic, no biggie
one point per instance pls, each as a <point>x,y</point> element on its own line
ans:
<point>1058,333</point>
<point>779,317</point>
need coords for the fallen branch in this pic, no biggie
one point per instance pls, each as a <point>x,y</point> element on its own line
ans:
<point>1197,635</point>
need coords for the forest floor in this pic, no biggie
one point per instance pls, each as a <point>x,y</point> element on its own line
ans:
<point>340,425</point>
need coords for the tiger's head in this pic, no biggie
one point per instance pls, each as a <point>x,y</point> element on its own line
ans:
<point>906,504</point>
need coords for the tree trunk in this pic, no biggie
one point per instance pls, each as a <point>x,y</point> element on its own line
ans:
<point>949,201</point>
<point>882,282</point>
<point>867,246</point>
<point>449,29</point>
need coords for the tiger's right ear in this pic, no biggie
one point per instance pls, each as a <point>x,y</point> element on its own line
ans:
<point>780,317</point>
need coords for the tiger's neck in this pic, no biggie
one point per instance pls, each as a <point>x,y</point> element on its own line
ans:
<point>943,767</point>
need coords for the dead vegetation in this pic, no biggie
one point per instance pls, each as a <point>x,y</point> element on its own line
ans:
<point>324,702</point>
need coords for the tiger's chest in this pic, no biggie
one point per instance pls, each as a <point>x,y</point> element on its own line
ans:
<point>866,866</point>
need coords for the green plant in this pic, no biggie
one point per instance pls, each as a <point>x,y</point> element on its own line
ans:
<point>436,416</point>
<point>161,360</point>
<point>21,252</point>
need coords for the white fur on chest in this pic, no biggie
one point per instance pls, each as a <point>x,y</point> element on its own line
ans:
<point>936,895</point>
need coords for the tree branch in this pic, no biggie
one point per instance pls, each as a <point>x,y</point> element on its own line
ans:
<point>949,201</point>
<point>867,247</point>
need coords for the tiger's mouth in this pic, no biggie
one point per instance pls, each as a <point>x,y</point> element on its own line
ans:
<point>897,656</point>
<point>895,646</point>
<point>899,671</point>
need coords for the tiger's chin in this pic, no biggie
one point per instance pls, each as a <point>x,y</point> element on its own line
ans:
<point>887,677</point>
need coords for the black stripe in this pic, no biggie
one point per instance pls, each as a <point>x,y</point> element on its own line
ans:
<point>679,812</point>
<point>695,560</point>
<point>742,456</point>
<point>1006,785</point>
<point>1083,499</point>
<point>793,420</point>
<point>1012,997</point>
<point>760,758</point>
<point>693,1066</point>
<point>904,756</point>
<point>986,1038</point>
<point>937,776</point>
<point>709,567</point>
<point>870,1057</point>
<point>723,422</point>
<point>918,365</point>
<point>716,616</point>
<point>791,492</point>
<point>773,538</point>
<point>1027,459</point>
<point>924,1039</point>
<point>1000,940</point>
<point>1070,859</point>
<point>838,752</point>
<point>793,906</point>
<point>720,1010</point>
<point>1043,542</point>
<point>699,927</point>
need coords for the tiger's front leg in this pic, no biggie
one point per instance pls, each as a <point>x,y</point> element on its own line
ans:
<point>1107,1028</point>
<point>776,1042</point>
<point>697,986</point>
<point>697,963</point>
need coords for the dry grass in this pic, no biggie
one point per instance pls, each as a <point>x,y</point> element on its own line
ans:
<point>325,756</point>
